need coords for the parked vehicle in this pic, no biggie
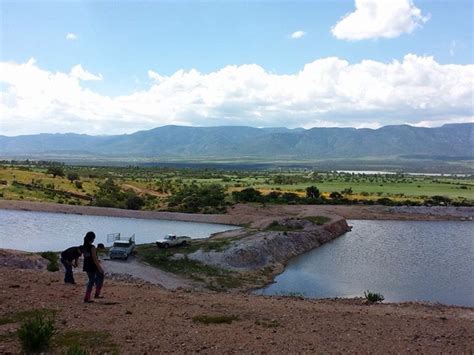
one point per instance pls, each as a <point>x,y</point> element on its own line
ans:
<point>121,248</point>
<point>172,240</point>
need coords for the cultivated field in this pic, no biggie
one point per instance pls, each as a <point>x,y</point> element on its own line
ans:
<point>85,185</point>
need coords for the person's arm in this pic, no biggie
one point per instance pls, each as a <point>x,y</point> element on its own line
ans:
<point>75,262</point>
<point>96,260</point>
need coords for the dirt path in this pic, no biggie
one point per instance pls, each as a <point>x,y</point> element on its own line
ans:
<point>136,270</point>
<point>141,190</point>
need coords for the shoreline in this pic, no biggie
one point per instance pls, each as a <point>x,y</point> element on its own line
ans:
<point>255,215</point>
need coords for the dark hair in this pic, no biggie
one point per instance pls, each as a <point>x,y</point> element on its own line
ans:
<point>81,248</point>
<point>100,246</point>
<point>89,238</point>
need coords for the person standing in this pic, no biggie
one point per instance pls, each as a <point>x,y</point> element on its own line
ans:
<point>70,258</point>
<point>92,266</point>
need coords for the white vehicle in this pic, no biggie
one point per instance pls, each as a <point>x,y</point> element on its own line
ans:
<point>121,248</point>
<point>171,240</point>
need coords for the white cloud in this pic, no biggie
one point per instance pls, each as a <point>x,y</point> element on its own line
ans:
<point>327,91</point>
<point>71,36</point>
<point>80,73</point>
<point>379,18</point>
<point>155,76</point>
<point>298,34</point>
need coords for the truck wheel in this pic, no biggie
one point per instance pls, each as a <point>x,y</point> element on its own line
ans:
<point>166,245</point>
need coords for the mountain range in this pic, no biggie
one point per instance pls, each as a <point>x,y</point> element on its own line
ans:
<point>180,142</point>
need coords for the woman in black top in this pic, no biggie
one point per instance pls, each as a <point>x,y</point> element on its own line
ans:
<point>95,273</point>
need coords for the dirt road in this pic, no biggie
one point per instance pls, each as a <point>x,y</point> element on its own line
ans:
<point>135,270</point>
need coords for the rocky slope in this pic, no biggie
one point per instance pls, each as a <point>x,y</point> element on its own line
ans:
<point>274,245</point>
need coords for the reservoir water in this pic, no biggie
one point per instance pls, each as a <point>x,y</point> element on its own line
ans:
<point>403,260</point>
<point>42,231</point>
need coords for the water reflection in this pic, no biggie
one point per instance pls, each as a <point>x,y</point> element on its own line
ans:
<point>403,260</point>
<point>39,231</point>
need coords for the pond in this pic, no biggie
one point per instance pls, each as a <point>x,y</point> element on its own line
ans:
<point>403,260</point>
<point>41,231</point>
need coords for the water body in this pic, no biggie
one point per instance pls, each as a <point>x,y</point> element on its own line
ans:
<point>403,260</point>
<point>375,172</point>
<point>41,231</point>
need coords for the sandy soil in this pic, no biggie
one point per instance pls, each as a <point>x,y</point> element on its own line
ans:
<point>142,318</point>
<point>256,215</point>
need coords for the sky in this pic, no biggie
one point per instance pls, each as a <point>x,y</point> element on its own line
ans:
<point>118,67</point>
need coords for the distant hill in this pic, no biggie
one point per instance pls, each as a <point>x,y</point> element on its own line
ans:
<point>179,142</point>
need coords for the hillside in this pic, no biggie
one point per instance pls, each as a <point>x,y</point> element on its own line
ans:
<point>453,141</point>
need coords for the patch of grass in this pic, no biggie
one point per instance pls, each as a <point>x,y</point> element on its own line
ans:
<point>216,244</point>
<point>319,220</point>
<point>87,341</point>
<point>216,279</point>
<point>221,319</point>
<point>275,226</point>
<point>53,259</point>
<point>75,350</point>
<point>373,297</point>
<point>18,317</point>
<point>268,323</point>
<point>35,333</point>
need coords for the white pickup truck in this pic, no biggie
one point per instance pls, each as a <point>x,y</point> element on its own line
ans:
<point>121,248</point>
<point>172,240</point>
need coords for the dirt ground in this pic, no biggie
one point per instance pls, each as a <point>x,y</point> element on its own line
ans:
<point>142,318</point>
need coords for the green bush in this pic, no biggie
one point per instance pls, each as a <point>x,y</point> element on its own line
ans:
<point>247,195</point>
<point>55,171</point>
<point>110,195</point>
<point>53,258</point>
<point>35,333</point>
<point>76,350</point>
<point>373,297</point>
<point>195,198</point>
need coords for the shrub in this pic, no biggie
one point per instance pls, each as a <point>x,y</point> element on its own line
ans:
<point>110,195</point>
<point>52,257</point>
<point>71,176</point>
<point>247,195</point>
<point>289,197</point>
<point>312,192</point>
<point>385,201</point>
<point>373,297</point>
<point>35,333</point>
<point>195,198</point>
<point>76,350</point>
<point>55,171</point>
